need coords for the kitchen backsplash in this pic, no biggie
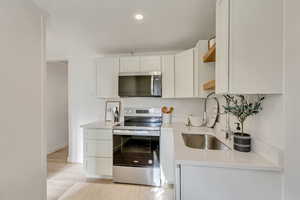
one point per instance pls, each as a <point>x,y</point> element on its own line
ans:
<point>182,107</point>
<point>265,128</point>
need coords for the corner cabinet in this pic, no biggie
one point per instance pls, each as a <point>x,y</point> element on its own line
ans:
<point>249,51</point>
<point>107,77</point>
<point>184,74</point>
<point>191,72</point>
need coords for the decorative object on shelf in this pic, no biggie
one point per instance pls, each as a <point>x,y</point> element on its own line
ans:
<point>241,108</point>
<point>112,111</point>
<point>167,114</point>
<point>210,56</point>
<point>211,42</point>
<point>209,85</point>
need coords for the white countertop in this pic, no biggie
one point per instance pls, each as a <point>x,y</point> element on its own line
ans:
<point>98,125</point>
<point>215,158</point>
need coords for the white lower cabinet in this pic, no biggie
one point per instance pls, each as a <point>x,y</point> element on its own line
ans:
<point>98,167</point>
<point>98,148</point>
<point>98,153</point>
<point>167,156</point>
<point>215,183</point>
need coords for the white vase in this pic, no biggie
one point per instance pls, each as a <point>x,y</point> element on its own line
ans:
<point>167,118</point>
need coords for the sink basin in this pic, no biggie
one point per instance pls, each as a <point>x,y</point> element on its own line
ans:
<point>203,141</point>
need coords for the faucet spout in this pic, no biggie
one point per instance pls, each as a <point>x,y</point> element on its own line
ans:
<point>204,118</point>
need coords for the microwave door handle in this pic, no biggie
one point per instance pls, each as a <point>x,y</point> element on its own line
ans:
<point>152,85</point>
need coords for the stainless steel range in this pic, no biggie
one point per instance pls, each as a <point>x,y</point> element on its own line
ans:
<point>136,147</point>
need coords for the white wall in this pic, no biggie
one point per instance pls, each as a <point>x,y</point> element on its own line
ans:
<point>292,99</point>
<point>57,106</point>
<point>266,128</point>
<point>23,156</point>
<point>84,107</point>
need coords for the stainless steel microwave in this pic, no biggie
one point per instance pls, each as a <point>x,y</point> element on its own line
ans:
<point>140,84</point>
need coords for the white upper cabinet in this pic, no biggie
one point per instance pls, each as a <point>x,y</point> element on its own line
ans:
<point>130,64</point>
<point>222,39</point>
<point>168,76</point>
<point>184,74</point>
<point>107,77</point>
<point>150,63</point>
<point>249,38</point>
<point>140,63</point>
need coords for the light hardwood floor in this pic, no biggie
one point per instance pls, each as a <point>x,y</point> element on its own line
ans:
<point>67,181</point>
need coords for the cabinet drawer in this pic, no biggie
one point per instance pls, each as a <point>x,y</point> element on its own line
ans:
<point>98,134</point>
<point>98,148</point>
<point>98,166</point>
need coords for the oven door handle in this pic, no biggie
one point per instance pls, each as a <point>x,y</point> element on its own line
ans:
<point>136,132</point>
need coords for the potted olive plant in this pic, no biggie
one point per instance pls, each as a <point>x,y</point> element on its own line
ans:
<point>241,108</point>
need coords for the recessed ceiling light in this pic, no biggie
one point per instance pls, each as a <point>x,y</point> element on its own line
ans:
<point>138,17</point>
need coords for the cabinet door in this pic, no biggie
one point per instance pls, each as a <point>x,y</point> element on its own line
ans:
<point>200,182</point>
<point>167,159</point>
<point>256,43</point>
<point>150,63</point>
<point>168,76</point>
<point>184,74</point>
<point>222,46</point>
<point>98,167</point>
<point>130,64</point>
<point>98,148</point>
<point>107,77</point>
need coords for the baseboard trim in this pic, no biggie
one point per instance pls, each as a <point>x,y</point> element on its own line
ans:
<point>57,149</point>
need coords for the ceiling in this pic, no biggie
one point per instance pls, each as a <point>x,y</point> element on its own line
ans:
<point>107,26</point>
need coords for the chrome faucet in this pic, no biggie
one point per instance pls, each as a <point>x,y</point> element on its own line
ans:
<point>204,119</point>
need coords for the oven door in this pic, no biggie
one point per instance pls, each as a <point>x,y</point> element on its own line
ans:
<point>136,148</point>
<point>136,157</point>
<point>140,85</point>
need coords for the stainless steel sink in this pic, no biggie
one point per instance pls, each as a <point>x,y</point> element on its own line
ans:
<point>203,141</point>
